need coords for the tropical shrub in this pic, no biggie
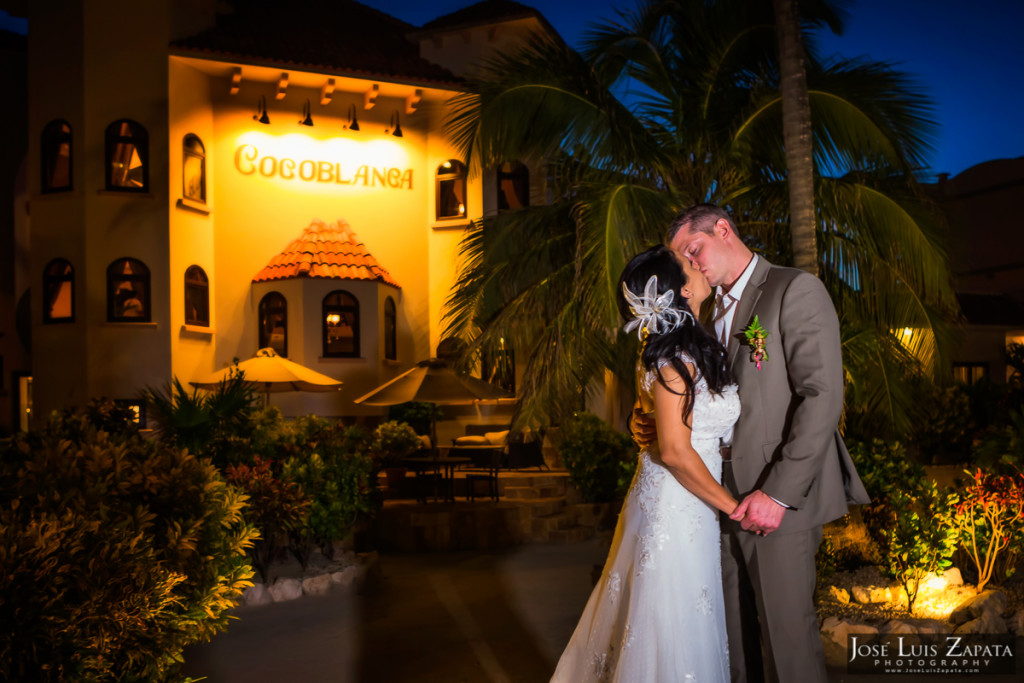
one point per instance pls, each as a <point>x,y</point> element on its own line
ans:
<point>115,553</point>
<point>277,507</point>
<point>333,466</point>
<point>989,515</point>
<point>1001,447</point>
<point>918,538</point>
<point>393,441</point>
<point>418,414</point>
<point>601,460</point>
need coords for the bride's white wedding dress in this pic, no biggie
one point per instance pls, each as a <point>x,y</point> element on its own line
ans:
<point>657,615</point>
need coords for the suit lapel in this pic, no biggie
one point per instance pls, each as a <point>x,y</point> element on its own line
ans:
<point>745,307</point>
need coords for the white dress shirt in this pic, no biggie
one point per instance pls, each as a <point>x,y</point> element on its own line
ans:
<point>728,301</point>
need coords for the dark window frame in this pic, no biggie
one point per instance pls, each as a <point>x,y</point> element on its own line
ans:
<point>201,288</point>
<point>51,139</point>
<point>263,310</point>
<point>517,173</point>
<point>192,147</point>
<point>450,177</point>
<point>49,280</point>
<point>116,277</point>
<point>136,137</point>
<point>341,309</point>
<point>969,368</point>
<point>390,329</point>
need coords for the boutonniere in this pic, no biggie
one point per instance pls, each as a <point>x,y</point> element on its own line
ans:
<point>756,336</point>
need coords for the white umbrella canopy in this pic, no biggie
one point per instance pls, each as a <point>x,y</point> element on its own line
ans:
<point>271,373</point>
<point>432,381</point>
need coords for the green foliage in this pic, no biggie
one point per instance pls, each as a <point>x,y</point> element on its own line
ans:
<point>418,414</point>
<point>1001,447</point>
<point>215,424</point>
<point>988,512</point>
<point>919,538</point>
<point>334,468</point>
<point>944,427</point>
<point>277,507</point>
<point>115,553</point>
<point>601,461</point>
<point>885,470</point>
<point>393,441</point>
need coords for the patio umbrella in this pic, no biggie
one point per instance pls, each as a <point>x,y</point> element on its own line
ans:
<point>432,381</point>
<point>270,373</point>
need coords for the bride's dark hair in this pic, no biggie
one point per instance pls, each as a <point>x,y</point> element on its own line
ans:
<point>688,337</point>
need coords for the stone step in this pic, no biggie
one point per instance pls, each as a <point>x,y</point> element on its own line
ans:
<point>522,493</point>
<point>542,507</point>
<point>573,534</point>
<point>541,527</point>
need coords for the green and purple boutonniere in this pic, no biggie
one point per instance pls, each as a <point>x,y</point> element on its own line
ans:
<point>756,336</point>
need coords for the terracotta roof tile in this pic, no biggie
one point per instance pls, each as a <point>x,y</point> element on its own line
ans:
<point>334,35</point>
<point>325,250</point>
<point>485,12</point>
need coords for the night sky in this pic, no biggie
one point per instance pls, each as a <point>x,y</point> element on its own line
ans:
<point>969,56</point>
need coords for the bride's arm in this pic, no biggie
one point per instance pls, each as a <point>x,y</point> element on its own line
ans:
<point>677,453</point>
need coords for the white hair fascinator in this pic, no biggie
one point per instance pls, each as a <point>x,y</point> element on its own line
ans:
<point>653,314</point>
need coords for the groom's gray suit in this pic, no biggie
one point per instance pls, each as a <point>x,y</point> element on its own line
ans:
<point>786,443</point>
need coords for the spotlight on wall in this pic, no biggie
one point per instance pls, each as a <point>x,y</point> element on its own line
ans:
<point>307,118</point>
<point>353,122</point>
<point>261,111</point>
<point>396,125</point>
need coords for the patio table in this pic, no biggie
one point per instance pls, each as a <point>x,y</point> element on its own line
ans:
<point>443,466</point>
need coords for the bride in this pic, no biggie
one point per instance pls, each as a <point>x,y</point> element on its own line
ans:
<point>656,614</point>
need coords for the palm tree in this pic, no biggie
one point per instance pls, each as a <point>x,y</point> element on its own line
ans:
<point>673,103</point>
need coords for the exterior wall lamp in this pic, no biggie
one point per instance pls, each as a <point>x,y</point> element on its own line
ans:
<point>261,111</point>
<point>353,122</point>
<point>396,125</point>
<point>307,118</point>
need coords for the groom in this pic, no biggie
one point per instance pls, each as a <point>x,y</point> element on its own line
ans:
<point>786,461</point>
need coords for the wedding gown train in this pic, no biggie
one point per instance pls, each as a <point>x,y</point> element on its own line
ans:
<point>656,615</point>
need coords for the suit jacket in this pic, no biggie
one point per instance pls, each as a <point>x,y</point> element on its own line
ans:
<point>786,441</point>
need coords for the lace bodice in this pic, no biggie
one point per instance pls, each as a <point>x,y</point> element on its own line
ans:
<point>713,415</point>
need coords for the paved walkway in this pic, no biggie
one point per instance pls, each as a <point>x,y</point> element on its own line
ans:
<point>460,617</point>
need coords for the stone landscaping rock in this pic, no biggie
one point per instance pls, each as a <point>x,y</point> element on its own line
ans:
<point>285,589</point>
<point>256,595</point>
<point>833,638</point>
<point>870,594</point>
<point>931,627</point>
<point>840,595</point>
<point>990,602</point>
<point>346,577</point>
<point>316,585</point>
<point>986,623</point>
<point>953,577</point>
<point>899,626</point>
<point>1015,623</point>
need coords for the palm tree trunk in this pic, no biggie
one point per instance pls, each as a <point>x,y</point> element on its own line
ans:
<point>796,135</point>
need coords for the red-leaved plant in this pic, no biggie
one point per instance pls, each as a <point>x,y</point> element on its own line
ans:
<point>989,512</point>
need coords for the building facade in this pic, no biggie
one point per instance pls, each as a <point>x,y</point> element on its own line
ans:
<point>199,185</point>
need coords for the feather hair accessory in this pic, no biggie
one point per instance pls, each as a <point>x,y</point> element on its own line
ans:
<point>653,314</point>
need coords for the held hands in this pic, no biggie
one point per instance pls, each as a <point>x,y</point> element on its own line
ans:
<point>759,513</point>
<point>643,427</point>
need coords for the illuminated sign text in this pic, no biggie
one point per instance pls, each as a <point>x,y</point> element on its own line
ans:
<point>249,162</point>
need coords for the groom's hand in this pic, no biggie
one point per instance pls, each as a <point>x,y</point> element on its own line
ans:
<point>759,513</point>
<point>643,427</point>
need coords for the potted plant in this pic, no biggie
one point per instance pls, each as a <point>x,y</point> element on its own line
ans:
<point>393,442</point>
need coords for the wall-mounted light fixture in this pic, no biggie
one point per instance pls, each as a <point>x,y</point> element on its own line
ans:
<point>396,125</point>
<point>307,118</point>
<point>353,122</point>
<point>261,111</point>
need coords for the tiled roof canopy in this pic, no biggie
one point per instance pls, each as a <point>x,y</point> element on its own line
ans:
<point>482,12</point>
<point>325,250</point>
<point>335,35</point>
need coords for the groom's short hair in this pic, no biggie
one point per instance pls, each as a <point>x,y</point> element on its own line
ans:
<point>700,218</point>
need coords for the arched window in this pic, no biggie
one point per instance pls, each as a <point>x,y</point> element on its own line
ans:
<point>127,157</point>
<point>128,291</point>
<point>340,325</point>
<point>513,186</point>
<point>193,169</point>
<point>59,292</point>
<point>56,156</point>
<point>451,190</point>
<point>390,329</point>
<point>273,315</point>
<point>197,297</point>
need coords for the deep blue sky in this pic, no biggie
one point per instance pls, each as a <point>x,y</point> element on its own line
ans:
<point>969,56</point>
